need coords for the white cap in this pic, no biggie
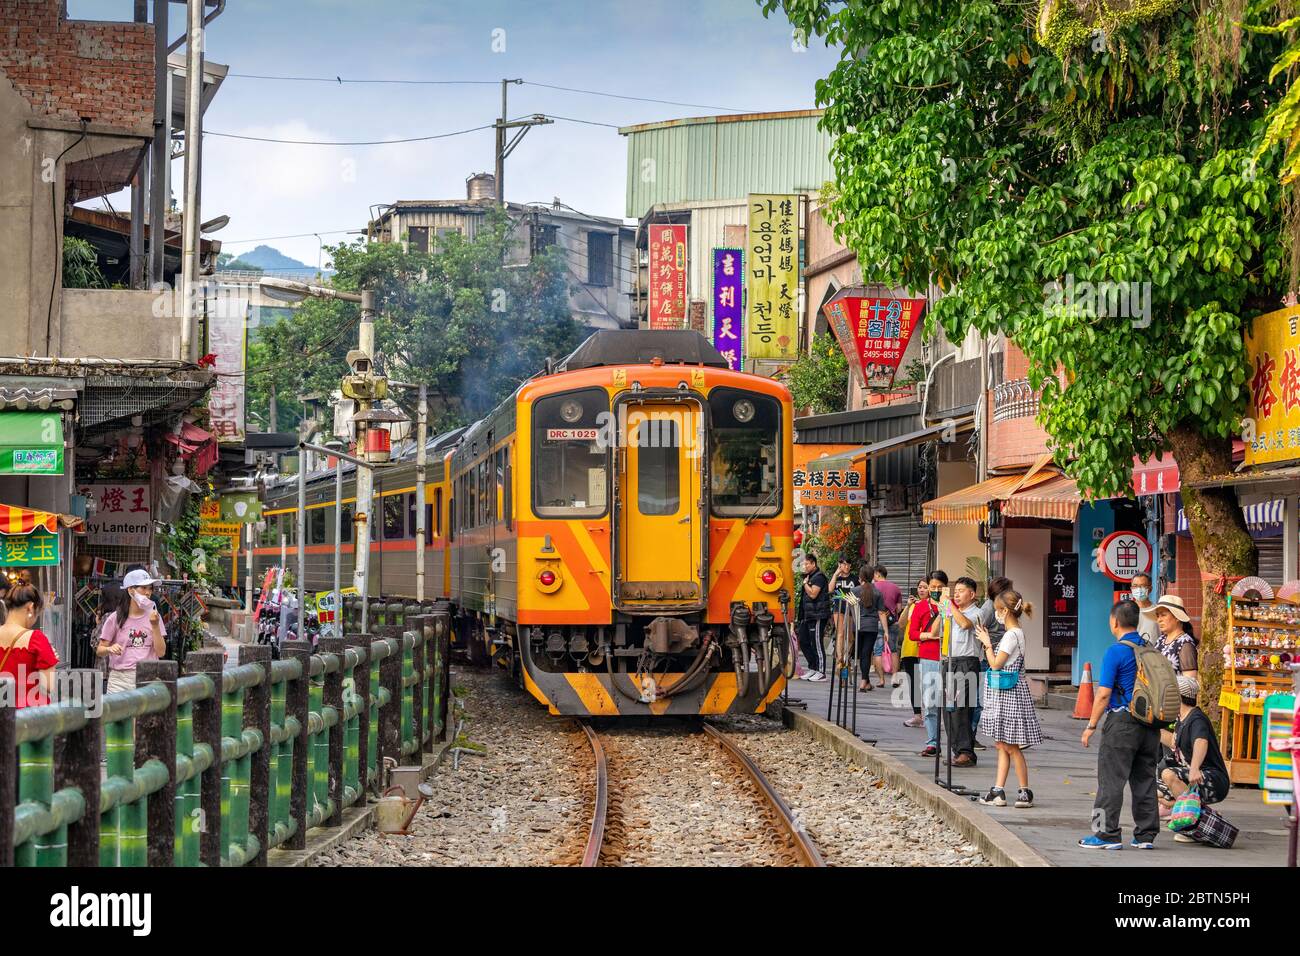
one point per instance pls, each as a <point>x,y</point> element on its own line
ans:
<point>137,578</point>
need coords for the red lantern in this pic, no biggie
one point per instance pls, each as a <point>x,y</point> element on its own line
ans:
<point>798,537</point>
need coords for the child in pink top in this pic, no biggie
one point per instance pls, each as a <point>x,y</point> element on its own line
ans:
<point>133,632</point>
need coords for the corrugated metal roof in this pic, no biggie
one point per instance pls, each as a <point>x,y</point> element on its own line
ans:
<point>725,157</point>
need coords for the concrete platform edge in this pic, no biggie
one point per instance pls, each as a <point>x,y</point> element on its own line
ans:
<point>998,844</point>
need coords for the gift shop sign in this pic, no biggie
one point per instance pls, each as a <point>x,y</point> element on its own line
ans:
<point>1124,555</point>
<point>873,332</point>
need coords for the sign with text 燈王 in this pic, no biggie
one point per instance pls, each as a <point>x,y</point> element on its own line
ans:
<point>728,304</point>
<point>772,270</point>
<point>667,276</point>
<point>122,514</point>
<point>1273,379</point>
<point>873,332</point>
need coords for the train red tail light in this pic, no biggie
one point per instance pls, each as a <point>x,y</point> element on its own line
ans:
<point>547,578</point>
<point>768,576</point>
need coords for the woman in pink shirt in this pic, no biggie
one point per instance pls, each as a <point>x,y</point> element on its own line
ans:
<point>132,632</point>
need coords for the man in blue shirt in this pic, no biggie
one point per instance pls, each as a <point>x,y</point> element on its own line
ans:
<point>1129,748</point>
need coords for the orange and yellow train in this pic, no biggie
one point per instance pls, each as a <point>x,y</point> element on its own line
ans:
<point>617,534</point>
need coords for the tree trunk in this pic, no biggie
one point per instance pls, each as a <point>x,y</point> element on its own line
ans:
<point>1224,548</point>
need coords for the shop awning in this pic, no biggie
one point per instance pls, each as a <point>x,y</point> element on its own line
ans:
<point>1056,498</point>
<point>1155,477</point>
<point>1279,478</point>
<point>31,443</point>
<point>15,520</point>
<point>883,447</point>
<point>195,443</point>
<point>969,505</point>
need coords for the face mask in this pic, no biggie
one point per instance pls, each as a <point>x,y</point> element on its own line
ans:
<point>1001,616</point>
<point>1140,594</point>
<point>142,602</point>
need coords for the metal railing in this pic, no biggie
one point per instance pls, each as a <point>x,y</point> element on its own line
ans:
<point>1014,399</point>
<point>217,767</point>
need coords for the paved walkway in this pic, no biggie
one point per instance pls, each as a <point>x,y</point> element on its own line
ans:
<point>1063,776</point>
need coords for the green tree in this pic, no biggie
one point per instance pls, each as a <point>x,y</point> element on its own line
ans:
<point>1035,161</point>
<point>820,379</point>
<point>458,320</point>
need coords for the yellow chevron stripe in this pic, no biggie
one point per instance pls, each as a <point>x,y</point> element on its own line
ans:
<point>593,696</point>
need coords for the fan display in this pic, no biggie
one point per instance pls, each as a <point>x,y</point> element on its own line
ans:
<point>1290,592</point>
<point>1263,641</point>
<point>1253,588</point>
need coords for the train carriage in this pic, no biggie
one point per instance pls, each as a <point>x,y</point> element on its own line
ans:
<point>617,534</point>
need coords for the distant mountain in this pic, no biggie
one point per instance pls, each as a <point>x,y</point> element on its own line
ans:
<point>274,262</point>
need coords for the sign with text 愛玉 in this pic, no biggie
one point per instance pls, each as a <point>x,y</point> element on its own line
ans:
<point>667,276</point>
<point>31,443</point>
<point>40,548</point>
<point>1273,378</point>
<point>846,485</point>
<point>873,332</point>
<point>122,514</point>
<point>772,271</point>
<point>728,304</point>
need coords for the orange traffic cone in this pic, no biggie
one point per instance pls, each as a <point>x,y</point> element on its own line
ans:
<point>1083,703</point>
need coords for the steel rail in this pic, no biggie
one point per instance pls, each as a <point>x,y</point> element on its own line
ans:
<point>596,838</point>
<point>803,843</point>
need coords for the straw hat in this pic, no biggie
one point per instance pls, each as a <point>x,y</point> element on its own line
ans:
<point>1171,603</point>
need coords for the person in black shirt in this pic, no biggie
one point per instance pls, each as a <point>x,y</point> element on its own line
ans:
<point>873,621</point>
<point>842,582</point>
<point>814,609</point>
<point>1197,760</point>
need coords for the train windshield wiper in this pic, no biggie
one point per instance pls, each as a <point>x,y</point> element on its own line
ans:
<point>764,503</point>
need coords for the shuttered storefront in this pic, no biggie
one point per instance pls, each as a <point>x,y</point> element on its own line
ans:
<point>903,547</point>
<point>1270,560</point>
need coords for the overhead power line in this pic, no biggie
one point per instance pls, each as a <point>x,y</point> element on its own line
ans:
<point>370,142</point>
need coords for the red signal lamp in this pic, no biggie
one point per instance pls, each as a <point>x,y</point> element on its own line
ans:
<point>547,577</point>
<point>768,576</point>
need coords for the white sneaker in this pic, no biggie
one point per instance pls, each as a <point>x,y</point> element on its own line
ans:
<point>1183,838</point>
<point>815,676</point>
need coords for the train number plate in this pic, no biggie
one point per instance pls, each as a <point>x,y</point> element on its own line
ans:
<point>572,434</point>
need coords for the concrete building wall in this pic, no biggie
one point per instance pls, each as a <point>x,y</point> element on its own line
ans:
<point>1026,550</point>
<point>120,323</point>
<point>954,543</point>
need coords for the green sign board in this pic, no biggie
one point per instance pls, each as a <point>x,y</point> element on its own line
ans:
<point>29,550</point>
<point>31,443</point>
<point>241,507</point>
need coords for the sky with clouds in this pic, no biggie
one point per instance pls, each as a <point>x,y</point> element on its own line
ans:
<point>719,54</point>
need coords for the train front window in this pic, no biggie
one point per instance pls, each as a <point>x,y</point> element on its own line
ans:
<point>744,460</point>
<point>658,479</point>
<point>570,454</point>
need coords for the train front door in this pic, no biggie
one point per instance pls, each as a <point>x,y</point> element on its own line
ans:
<point>661,533</point>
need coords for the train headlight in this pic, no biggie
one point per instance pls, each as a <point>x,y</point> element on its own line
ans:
<point>743,410</point>
<point>571,411</point>
<point>548,580</point>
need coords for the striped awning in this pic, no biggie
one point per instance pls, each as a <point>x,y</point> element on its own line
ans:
<point>1057,498</point>
<point>15,520</point>
<point>969,505</point>
<point>1266,515</point>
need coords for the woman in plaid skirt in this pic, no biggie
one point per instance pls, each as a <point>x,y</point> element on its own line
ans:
<point>1009,717</point>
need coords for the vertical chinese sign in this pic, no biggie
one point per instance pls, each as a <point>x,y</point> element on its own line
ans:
<point>122,515</point>
<point>728,303</point>
<point>667,277</point>
<point>1273,412</point>
<point>873,332</point>
<point>227,337</point>
<point>1062,592</point>
<point>771,329</point>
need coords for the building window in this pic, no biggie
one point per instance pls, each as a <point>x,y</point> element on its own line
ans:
<point>545,235</point>
<point>417,239</point>
<point>600,259</point>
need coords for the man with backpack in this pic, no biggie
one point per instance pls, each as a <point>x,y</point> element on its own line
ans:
<point>1137,692</point>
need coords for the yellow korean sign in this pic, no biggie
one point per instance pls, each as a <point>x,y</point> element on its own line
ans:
<point>772,271</point>
<point>1272,428</point>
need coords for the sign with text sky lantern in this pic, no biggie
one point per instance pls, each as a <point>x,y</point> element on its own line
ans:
<point>728,304</point>
<point>873,332</point>
<point>122,514</point>
<point>1273,410</point>
<point>772,268</point>
<point>667,276</point>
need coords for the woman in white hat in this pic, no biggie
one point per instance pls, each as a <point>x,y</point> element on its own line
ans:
<point>132,632</point>
<point>1175,639</point>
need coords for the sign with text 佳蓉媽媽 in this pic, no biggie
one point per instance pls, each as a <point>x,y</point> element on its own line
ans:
<point>1273,379</point>
<point>772,270</point>
<point>667,276</point>
<point>728,304</point>
<point>40,548</point>
<point>873,332</point>
<point>31,443</point>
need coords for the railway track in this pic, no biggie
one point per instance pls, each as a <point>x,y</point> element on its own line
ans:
<point>756,826</point>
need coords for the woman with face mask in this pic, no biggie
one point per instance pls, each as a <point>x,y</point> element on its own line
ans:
<point>133,632</point>
<point>1140,588</point>
<point>1009,717</point>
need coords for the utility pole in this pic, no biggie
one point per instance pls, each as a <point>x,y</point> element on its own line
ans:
<point>193,147</point>
<point>160,153</point>
<point>504,149</point>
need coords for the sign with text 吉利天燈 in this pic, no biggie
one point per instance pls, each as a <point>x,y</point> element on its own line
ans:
<point>772,269</point>
<point>122,515</point>
<point>667,276</point>
<point>873,332</point>
<point>728,304</point>
<point>1061,590</point>
<point>1273,370</point>
<point>31,443</point>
